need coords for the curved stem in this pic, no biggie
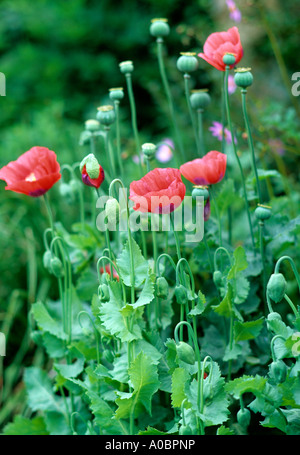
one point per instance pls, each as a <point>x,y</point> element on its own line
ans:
<point>118,137</point>
<point>221,248</point>
<point>291,305</point>
<point>166,256</point>
<point>272,345</point>
<point>96,333</point>
<point>250,143</point>
<point>288,258</point>
<point>236,154</point>
<point>117,270</point>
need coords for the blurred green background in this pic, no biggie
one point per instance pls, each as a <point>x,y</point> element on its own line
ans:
<point>61,57</point>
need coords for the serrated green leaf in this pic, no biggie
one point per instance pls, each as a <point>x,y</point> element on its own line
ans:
<point>140,270</point>
<point>247,330</point>
<point>68,371</point>
<point>224,431</point>
<point>144,379</point>
<point>238,386</point>
<point>104,416</point>
<point>39,390</point>
<point>225,307</point>
<point>147,294</point>
<point>240,262</point>
<point>22,426</point>
<point>46,322</point>
<point>179,379</point>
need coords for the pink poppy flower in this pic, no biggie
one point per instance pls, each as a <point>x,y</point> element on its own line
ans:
<point>207,170</point>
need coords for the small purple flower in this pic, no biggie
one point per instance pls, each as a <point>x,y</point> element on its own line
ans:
<point>164,152</point>
<point>216,130</point>
<point>234,12</point>
<point>231,84</point>
<point>277,146</point>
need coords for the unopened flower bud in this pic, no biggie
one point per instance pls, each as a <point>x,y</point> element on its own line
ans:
<point>185,353</point>
<point>126,67</point>
<point>181,294</point>
<point>162,287</point>
<point>159,28</point>
<point>92,173</point>
<point>276,287</point>
<point>112,211</point>
<point>217,277</point>
<point>56,267</point>
<point>47,259</point>
<point>106,115</point>
<point>200,99</point>
<point>187,62</point>
<point>243,417</point>
<point>278,371</point>
<point>149,150</point>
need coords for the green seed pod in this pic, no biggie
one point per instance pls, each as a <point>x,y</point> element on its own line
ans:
<point>85,137</point>
<point>116,93</point>
<point>103,292</point>
<point>243,417</point>
<point>108,355</point>
<point>47,259</point>
<point>159,28</point>
<point>262,212</point>
<point>200,191</point>
<point>187,62</point>
<point>185,430</point>
<point>273,316</point>
<point>243,77</point>
<point>200,99</point>
<point>106,115</point>
<point>185,353</point>
<point>276,287</point>
<point>126,67</point>
<point>229,59</point>
<point>278,371</point>
<point>92,125</point>
<point>162,287</point>
<point>181,294</point>
<point>217,277</point>
<point>56,267</point>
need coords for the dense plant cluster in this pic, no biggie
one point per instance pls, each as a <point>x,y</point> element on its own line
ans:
<point>145,331</point>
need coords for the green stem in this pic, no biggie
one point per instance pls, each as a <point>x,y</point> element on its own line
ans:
<point>168,95</point>
<point>200,131</point>
<point>236,154</point>
<point>263,258</point>
<point>291,305</point>
<point>290,260</point>
<point>250,143</point>
<point>177,243</point>
<point>187,95</point>
<point>134,119</point>
<point>118,137</point>
<point>109,151</point>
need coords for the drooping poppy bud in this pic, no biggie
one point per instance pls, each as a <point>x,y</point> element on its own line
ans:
<point>276,287</point>
<point>162,287</point>
<point>56,267</point>
<point>278,371</point>
<point>181,294</point>
<point>185,353</point>
<point>243,417</point>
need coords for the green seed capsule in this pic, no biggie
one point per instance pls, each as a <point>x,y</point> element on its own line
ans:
<point>106,115</point>
<point>278,371</point>
<point>185,353</point>
<point>187,62</point>
<point>116,93</point>
<point>181,294</point>
<point>243,417</point>
<point>200,99</point>
<point>162,287</point>
<point>56,267</point>
<point>126,67</point>
<point>276,287</point>
<point>159,28</point>
<point>262,212</point>
<point>92,125</point>
<point>243,77</point>
<point>200,191</point>
<point>229,59</point>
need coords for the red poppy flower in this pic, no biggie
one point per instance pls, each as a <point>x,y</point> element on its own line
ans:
<point>87,180</point>
<point>107,270</point>
<point>207,170</point>
<point>220,43</point>
<point>33,173</point>
<point>159,191</point>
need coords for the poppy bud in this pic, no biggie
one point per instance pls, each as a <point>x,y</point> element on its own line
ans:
<point>185,353</point>
<point>243,77</point>
<point>103,293</point>
<point>116,93</point>
<point>276,287</point>
<point>217,277</point>
<point>181,294</point>
<point>278,371</point>
<point>262,212</point>
<point>229,59</point>
<point>112,211</point>
<point>200,191</point>
<point>46,259</point>
<point>106,115</point>
<point>159,28</point>
<point>56,267</point>
<point>149,150</point>
<point>273,316</point>
<point>108,355</point>
<point>187,62</point>
<point>243,417</point>
<point>92,125</point>
<point>92,173</point>
<point>200,99</point>
<point>126,67</point>
<point>162,287</point>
